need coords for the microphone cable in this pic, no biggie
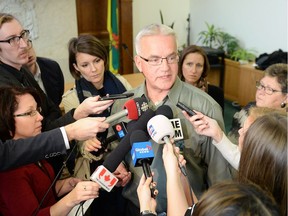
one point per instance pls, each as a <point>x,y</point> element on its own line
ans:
<point>80,207</point>
<point>54,181</point>
<point>127,51</point>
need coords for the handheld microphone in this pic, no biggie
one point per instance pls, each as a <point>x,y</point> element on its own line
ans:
<point>142,154</point>
<point>133,108</point>
<point>162,134</point>
<point>117,155</point>
<point>119,132</point>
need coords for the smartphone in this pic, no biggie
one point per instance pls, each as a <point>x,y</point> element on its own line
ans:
<point>185,108</point>
<point>116,96</point>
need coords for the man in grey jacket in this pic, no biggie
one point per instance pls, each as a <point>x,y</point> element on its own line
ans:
<point>157,58</point>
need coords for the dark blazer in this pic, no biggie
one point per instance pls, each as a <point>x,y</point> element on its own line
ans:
<point>15,153</point>
<point>52,78</point>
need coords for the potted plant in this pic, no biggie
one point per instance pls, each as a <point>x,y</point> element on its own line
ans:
<point>162,20</point>
<point>243,55</point>
<point>210,37</point>
<point>228,43</point>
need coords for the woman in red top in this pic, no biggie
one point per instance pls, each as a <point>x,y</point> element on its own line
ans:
<point>22,190</point>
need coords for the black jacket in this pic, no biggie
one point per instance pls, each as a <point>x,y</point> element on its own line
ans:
<point>52,78</point>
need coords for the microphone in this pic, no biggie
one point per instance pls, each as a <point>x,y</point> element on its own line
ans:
<point>176,123</point>
<point>165,110</point>
<point>119,132</point>
<point>142,154</point>
<point>133,108</point>
<point>117,155</point>
<point>127,51</point>
<point>162,134</point>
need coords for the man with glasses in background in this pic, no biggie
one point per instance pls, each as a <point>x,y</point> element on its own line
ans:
<point>157,58</point>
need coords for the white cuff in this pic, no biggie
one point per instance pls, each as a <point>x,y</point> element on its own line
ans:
<point>65,137</point>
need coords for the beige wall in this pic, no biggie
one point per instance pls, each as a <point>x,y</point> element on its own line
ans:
<point>57,23</point>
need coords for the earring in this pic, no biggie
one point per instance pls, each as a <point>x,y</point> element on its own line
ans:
<point>283,105</point>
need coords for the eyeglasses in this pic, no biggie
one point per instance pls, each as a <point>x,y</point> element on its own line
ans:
<point>14,41</point>
<point>172,59</point>
<point>30,113</point>
<point>267,90</point>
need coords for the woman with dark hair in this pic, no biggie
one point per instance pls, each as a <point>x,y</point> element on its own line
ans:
<point>193,69</point>
<point>234,199</point>
<point>264,156</point>
<point>26,190</point>
<point>88,64</point>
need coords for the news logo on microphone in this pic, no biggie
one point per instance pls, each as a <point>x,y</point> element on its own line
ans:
<point>104,178</point>
<point>120,130</point>
<point>141,150</point>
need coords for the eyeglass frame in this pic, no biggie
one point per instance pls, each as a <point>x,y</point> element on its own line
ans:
<point>30,113</point>
<point>260,86</point>
<point>17,38</point>
<point>149,61</point>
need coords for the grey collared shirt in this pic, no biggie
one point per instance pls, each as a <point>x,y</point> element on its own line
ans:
<point>205,164</point>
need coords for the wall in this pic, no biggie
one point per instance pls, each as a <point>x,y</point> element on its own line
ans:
<point>259,24</point>
<point>57,23</point>
<point>147,12</point>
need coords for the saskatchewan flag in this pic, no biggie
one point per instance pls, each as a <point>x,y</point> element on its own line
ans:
<point>112,27</point>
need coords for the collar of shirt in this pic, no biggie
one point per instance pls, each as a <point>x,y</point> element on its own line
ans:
<point>173,94</point>
<point>37,75</point>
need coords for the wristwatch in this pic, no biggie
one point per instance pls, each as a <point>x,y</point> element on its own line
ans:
<point>148,213</point>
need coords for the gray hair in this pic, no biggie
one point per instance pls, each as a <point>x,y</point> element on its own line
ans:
<point>153,29</point>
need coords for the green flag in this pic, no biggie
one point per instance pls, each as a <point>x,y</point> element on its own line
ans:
<point>112,27</point>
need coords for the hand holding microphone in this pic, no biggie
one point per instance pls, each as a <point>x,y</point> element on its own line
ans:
<point>143,155</point>
<point>132,109</point>
<point>170,160</point>
<point>162,134</point>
